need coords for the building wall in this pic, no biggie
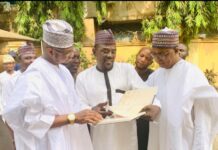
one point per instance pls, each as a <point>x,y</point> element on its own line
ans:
<point>129,10</point>
<point>204,53</point>
<point>118,11</point>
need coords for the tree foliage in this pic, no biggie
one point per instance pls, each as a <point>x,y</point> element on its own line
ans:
<point>211,76</point>
<point>101,11</point>
<point>32,14</point>
<point>188,17</point>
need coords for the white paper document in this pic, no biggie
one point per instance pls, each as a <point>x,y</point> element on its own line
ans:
<point>120,119</point>
<point>130,105</point>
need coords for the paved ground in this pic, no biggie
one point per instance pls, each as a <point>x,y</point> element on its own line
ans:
<point>5,137</point>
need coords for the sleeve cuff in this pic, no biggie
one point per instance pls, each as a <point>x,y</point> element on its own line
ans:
<point>41,128</point>
<point>48,119</point>
<point>157,102</point>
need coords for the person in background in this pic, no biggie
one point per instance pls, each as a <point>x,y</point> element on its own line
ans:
<point>14,55</point>
<point>8,74</point>
<point>26,55</point>
<point>143,61</point>
<point>6,140</point>
<point>74,63</point>
<point>183,50</point>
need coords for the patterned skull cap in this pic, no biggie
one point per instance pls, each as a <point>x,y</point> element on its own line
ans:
<point>165,38</point>
<point>58,33</point>
<point>105,37</point>
<point>26,49</point>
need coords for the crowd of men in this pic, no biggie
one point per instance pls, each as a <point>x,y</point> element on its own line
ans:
<point>49,105</point>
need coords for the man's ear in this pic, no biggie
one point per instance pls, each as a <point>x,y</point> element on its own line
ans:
<point>176,50</point>
<point>50,51</point>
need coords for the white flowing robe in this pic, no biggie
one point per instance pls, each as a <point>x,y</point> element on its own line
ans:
<point>92,90</point>
<point>189,116</point>
<point>9,86</point>
<point>4,78</point>
<point>41,92</point>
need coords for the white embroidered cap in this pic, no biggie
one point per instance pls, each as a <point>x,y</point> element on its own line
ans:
<point>8,59</point>
<point>58,33</point>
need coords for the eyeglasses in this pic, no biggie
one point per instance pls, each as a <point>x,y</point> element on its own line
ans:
<point>63,51</point>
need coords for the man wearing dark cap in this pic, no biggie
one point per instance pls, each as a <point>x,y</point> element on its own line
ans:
<point>106,82</point>
<point>8,61</point>
<point>189,114</point>
<point>8,64</point>
<point>45,110</point>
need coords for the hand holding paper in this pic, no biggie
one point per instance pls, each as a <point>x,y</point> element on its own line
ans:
<point>102,109</point>
<point>130,105</point>
<point>152,112</point>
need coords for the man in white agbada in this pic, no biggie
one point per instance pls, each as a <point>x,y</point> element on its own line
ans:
<point>44,106</point>
<point>106,82</point>
<point>8,74</point>
<point>6,141</point>
<point>189,114</point>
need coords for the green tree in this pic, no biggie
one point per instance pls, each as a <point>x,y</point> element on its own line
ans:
<point>188,17</point>
<point>101,11</point>
<point>32,14</point>
<point>211,76</point>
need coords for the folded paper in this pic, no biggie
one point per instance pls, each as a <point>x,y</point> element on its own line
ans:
<point>131,104</point>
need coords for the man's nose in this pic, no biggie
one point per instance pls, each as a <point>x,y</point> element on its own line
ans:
<point>77,60</point>
<point>31,60</point>
<point>143,59</point>
<point>110,54</point>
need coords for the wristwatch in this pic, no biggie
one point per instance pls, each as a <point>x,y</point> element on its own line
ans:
<point>71,118</point>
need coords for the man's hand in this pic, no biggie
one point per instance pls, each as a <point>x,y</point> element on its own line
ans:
<point>152,112</point>
<point>87,116</point>
<point>100,108</point>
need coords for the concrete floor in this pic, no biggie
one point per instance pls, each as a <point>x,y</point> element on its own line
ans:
<point>6,142</point>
